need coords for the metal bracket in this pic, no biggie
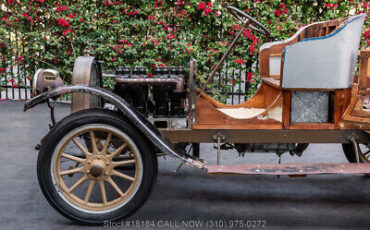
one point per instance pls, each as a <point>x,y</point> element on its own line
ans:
<point>353,140</point>
<point>219,137</point>
<point>51,107</point>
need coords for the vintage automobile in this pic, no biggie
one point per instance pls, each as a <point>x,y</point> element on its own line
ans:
<point>100,162</point>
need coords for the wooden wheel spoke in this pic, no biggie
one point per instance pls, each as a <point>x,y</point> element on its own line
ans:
<point>100,145</point>
<point>81,147</point>
<point>78,183</point>
<point>89,190</point>
<point>93,142</point>
<point>115,186</point>
<point>122,175</point>
<point>72,171</point>
<point>103,193</point>
<point>73,158</point>
<point>107,142</point>
<point>121,163</point>
<point>118,150</point>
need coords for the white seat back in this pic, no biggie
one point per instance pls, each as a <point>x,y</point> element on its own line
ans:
<point>326,62</point>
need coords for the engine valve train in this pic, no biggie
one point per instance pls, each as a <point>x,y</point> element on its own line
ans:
<point>161,95</point>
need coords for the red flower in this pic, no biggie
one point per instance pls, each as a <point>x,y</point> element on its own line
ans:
<point>158,4</point>
<point>247,33</point>
<point>41,1</point>
<point>132,13</point>
<point>5,19</point>
<point>61,8</point>
<point>63,22</point>
<point>277,13</point>
<point>150,75</point>
<point>66,31</point>
<point>202,6</point>
<point>367,34</point>
<point>207,11</point>
<point>82,20</point>
<point>239,61</point>
<point>249,76</point>
<point>107,2</point>
<point>171,36</point>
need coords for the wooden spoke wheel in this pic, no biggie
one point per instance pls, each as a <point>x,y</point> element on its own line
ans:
<point>364,152</point>
<point>95,167</point>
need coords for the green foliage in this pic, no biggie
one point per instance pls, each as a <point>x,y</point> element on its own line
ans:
<point>51,34</point>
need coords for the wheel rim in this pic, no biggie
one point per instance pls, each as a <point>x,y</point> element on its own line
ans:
<point>364,152</point>
<point>97,168</point>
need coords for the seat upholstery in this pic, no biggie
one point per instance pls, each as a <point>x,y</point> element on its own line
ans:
<point>326,62</point>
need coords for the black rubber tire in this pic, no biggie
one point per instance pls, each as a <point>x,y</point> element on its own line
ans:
<point>349,152</point>
<point>72,122</point>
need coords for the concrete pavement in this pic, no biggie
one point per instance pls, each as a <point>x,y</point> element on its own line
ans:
<point>315,202</point>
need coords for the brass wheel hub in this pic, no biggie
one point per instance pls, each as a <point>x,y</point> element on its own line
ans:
<point>98,168</point>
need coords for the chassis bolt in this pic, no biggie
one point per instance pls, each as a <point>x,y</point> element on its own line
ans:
<point>89,162</point>
<point>107,163</point>
<point>88,171</point>
<point>106,173</point>
<point>98,157</point>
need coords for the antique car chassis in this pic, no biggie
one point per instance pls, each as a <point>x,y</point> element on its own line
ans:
<point>268,117</point>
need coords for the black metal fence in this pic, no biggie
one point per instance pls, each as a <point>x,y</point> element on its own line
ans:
<point>14,89</point>
<point>16,85</point>
<point>15,79</point>
<point>238,92</point>
<point>15,82</point>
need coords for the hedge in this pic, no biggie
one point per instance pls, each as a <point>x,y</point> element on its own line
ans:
<point>51,34</point>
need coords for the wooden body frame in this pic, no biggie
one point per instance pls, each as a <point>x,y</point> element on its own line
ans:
<point>347,110</point>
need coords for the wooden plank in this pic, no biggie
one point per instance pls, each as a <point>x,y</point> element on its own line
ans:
<point>338,99</point>
<point>264,62</point>
<point>286,108</point>
<point>312,126</point>
<point>363,71</point>
<point>271,81</point>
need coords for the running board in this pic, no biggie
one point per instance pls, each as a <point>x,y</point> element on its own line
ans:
<point>290,169</point>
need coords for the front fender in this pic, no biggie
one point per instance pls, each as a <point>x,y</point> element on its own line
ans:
<point>144,126</point>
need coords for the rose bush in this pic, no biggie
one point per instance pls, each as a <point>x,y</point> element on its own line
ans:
<point>51,34</point>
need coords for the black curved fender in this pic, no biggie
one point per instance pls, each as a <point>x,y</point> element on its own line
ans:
<point>147,128</point>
